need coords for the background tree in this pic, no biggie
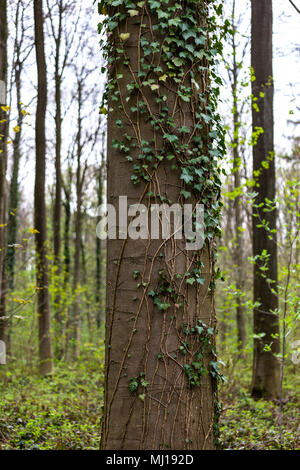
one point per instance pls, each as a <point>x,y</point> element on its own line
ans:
<point>3,161</point>
<point>265,382</point>
<point>43,307</point>
<point>22,50</point>
<point>60,14</point>
<point>235,67</point>
<point>100,177</point>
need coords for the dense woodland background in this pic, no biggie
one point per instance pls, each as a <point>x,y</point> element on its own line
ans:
<point>56,403</point>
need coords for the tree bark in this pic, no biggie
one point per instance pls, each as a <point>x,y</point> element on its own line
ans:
<point>67,258</point>
<point>14,183</point>
<point>149,400</point>
<point>43,308</point>
<point>58,122</point>
<point>3,164</point>
<point>238,245</point>
<point>266,368</point>
<point>78,222</point>
<point>18,64</point>
<point>98,297</point>
<point>58,177</point>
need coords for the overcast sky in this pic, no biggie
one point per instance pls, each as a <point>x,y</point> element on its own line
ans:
<point>286,68</point>
<point>286,75</point>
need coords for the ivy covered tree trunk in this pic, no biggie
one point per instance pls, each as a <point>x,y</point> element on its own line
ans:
<point>266,367</point>
<point>43,307</point>
<point>163,146</point>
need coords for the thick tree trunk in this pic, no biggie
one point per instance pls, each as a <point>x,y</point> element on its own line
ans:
<point>3,163</point>
<point>151,401</point>
<point>45,347</point>
<point>265,382</point>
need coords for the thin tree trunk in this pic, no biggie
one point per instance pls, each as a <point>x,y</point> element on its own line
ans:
<point>67,262</point>
<point>67,258</point>
<point>45,346</point>
<point>4,320</point>
<point>85,283</point>
<point>18,64</point>
<point>3,164</point>
<point>238,259</point>
<point>266,367</point>
<point>14,187</point>
<point>238,246</point>
<point>58,179</point>
<point>98,297</point>
<point>79,184</point>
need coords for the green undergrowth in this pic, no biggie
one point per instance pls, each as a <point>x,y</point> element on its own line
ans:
<point>63,412</point>
<point>246,424</point>
<point>59,412</point>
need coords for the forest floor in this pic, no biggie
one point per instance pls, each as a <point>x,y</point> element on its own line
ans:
<point>63,412</point>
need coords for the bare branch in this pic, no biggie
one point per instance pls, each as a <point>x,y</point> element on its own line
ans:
<point>296,8</point>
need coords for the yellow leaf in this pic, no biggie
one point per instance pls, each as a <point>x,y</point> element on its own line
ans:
<point>154,87</point>
<point>16,129</point>
<point>124,36</point>
<point>33,230</point>
<point>103,110</point>
<point>133,12</point>
<point>163,77</point>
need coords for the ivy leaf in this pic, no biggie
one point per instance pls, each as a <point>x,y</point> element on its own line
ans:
<point>133,12</point>
<point>186,176</point>
<point>178,62</point>
<point>133,385</point>
<point>163,78</point>
<point>186,194</point>
<point>171,137</point>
